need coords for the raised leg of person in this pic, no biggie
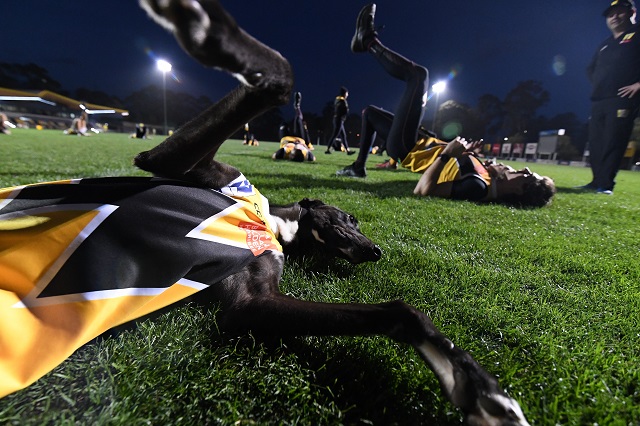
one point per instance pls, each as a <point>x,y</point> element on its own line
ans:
<point>375,122</point>
<point>404,130</point>
<point>408,114</point>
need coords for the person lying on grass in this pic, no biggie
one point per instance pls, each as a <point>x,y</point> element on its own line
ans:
<point>450,171</point>
<point>4,129</point>
<point>294,149</point>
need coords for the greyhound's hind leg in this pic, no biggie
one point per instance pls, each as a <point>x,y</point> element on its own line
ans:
<point>211,36</point>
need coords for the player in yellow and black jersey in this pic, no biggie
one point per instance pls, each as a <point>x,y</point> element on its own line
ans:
<point>449,170</point>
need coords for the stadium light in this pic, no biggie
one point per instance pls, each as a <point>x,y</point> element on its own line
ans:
<point>164,67</point>
<point>26,98</point>
<point>437,88</point>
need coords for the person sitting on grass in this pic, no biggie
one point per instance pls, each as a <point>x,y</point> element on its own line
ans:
<point>78,126</point>
<point>299,125</point>
<point>449,170</point>
<point>294,149</point>
<point>248,137</point>
<point>4,129</point>
<point>141,131</point>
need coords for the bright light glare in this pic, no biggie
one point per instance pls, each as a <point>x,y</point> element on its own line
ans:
<point>163,65</point>
<point>26,98</point>
<point>99,111</point>
<point>439,87</point>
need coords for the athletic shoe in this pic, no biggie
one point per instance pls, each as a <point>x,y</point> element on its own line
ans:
<point>352,171</point>
<point>389,165</point>
<point>350,152</point>
<point>365,32</point>
<point>327,152</point>
<point>604,191</point>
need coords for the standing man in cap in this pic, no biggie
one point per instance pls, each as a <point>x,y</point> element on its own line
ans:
<point>614,73</point>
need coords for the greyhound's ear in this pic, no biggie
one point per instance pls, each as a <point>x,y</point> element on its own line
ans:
<point>309,204</point>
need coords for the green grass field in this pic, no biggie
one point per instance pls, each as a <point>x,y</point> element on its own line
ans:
<point>548,300</point>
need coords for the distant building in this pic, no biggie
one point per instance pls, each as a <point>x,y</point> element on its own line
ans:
<point>549,141</point>
<point>54,111</point>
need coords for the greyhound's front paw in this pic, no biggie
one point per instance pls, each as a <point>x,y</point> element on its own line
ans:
<point>212,37</point>
<point>203,28</point>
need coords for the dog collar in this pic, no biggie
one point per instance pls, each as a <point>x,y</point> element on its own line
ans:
<point>303,212</point>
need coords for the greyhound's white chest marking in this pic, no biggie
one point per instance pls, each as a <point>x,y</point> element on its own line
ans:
<point>285,229</point>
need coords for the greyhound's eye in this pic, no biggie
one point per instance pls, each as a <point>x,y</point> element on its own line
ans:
<point>352,219</point>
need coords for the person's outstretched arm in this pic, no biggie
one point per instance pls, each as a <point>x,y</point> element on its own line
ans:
<point>428,184</point>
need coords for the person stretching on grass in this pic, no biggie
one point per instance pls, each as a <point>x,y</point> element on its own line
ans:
<point>3,127</point>
<point>449,170</point>
<point>295,149</point>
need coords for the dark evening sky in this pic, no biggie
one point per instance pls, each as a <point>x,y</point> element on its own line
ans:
<point>483,46</point>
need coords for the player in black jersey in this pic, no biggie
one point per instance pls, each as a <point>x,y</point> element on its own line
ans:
<point>614,73</point>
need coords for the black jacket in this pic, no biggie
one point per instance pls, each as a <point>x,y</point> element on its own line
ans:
<point>615,64</point>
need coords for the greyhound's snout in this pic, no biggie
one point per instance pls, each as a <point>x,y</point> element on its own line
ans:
<point>371,253</point>
<point>376,254</point>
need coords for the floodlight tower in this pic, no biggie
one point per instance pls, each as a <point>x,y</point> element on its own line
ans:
<point>164,67</point>
<point>437,88</point>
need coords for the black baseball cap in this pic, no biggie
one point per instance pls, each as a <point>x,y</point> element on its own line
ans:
<point>619,3</point>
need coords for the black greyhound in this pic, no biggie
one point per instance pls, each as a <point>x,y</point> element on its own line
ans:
<point>251,300</point>
<point>247,288</point>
